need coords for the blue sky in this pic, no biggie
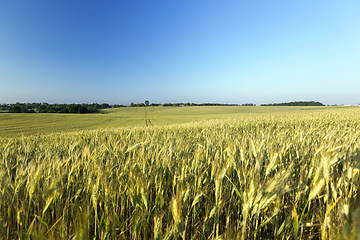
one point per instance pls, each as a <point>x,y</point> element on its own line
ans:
<point>118,51</point>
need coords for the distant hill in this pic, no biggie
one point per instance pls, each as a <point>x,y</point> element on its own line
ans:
<point>300,103</point>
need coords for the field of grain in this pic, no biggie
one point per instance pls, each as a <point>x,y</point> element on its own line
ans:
<point>18,124</point>
<point>293,175</point>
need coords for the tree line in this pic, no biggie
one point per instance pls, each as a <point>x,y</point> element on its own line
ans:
<point>184,104</point>
<point>54,108</point>
<point>299,103</point>
<point>95,107</point>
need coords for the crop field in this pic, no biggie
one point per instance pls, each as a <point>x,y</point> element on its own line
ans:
<point>182,173</point>
<point>14,125</point>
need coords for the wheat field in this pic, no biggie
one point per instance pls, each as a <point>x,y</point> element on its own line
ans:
<point>293,176</point>
<point>15,125</point>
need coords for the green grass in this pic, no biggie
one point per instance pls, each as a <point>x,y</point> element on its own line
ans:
<point>14,124</point>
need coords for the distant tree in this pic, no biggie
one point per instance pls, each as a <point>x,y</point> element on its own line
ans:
<point>18,108</point>
<point>146,103</point>
<point>42,108</point>
<point>105,105</point>
<point>118,106</point>
<point>52,108</point>
<point>300,103</point>
<point>15,109</point>
<point>132,105</point>
<point>94,108</point>
<point>63,110</point>
<point>82,109</point>
<point>73,108</point>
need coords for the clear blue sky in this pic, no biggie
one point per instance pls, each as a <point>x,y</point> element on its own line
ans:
<point>119,51</point>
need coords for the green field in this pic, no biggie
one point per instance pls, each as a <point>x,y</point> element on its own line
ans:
<point>182,173</point>
<point>16,124</point>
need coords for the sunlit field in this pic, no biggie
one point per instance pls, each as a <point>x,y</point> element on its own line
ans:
<point>181,173</point>
<point>18,124</point>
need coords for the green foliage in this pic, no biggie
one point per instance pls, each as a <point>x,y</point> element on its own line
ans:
<point>275,176</point>
<point>105,105</point>
<point>299,103</point>
<point>55,108</point>
<point>18,108</point>
<point>197,104</point>
<point>184,104</point>
<point>4,108</point>
<point>118,106</point>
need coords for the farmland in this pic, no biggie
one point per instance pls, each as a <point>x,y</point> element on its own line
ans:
<point>182,173</point>
<point>12,125</point>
